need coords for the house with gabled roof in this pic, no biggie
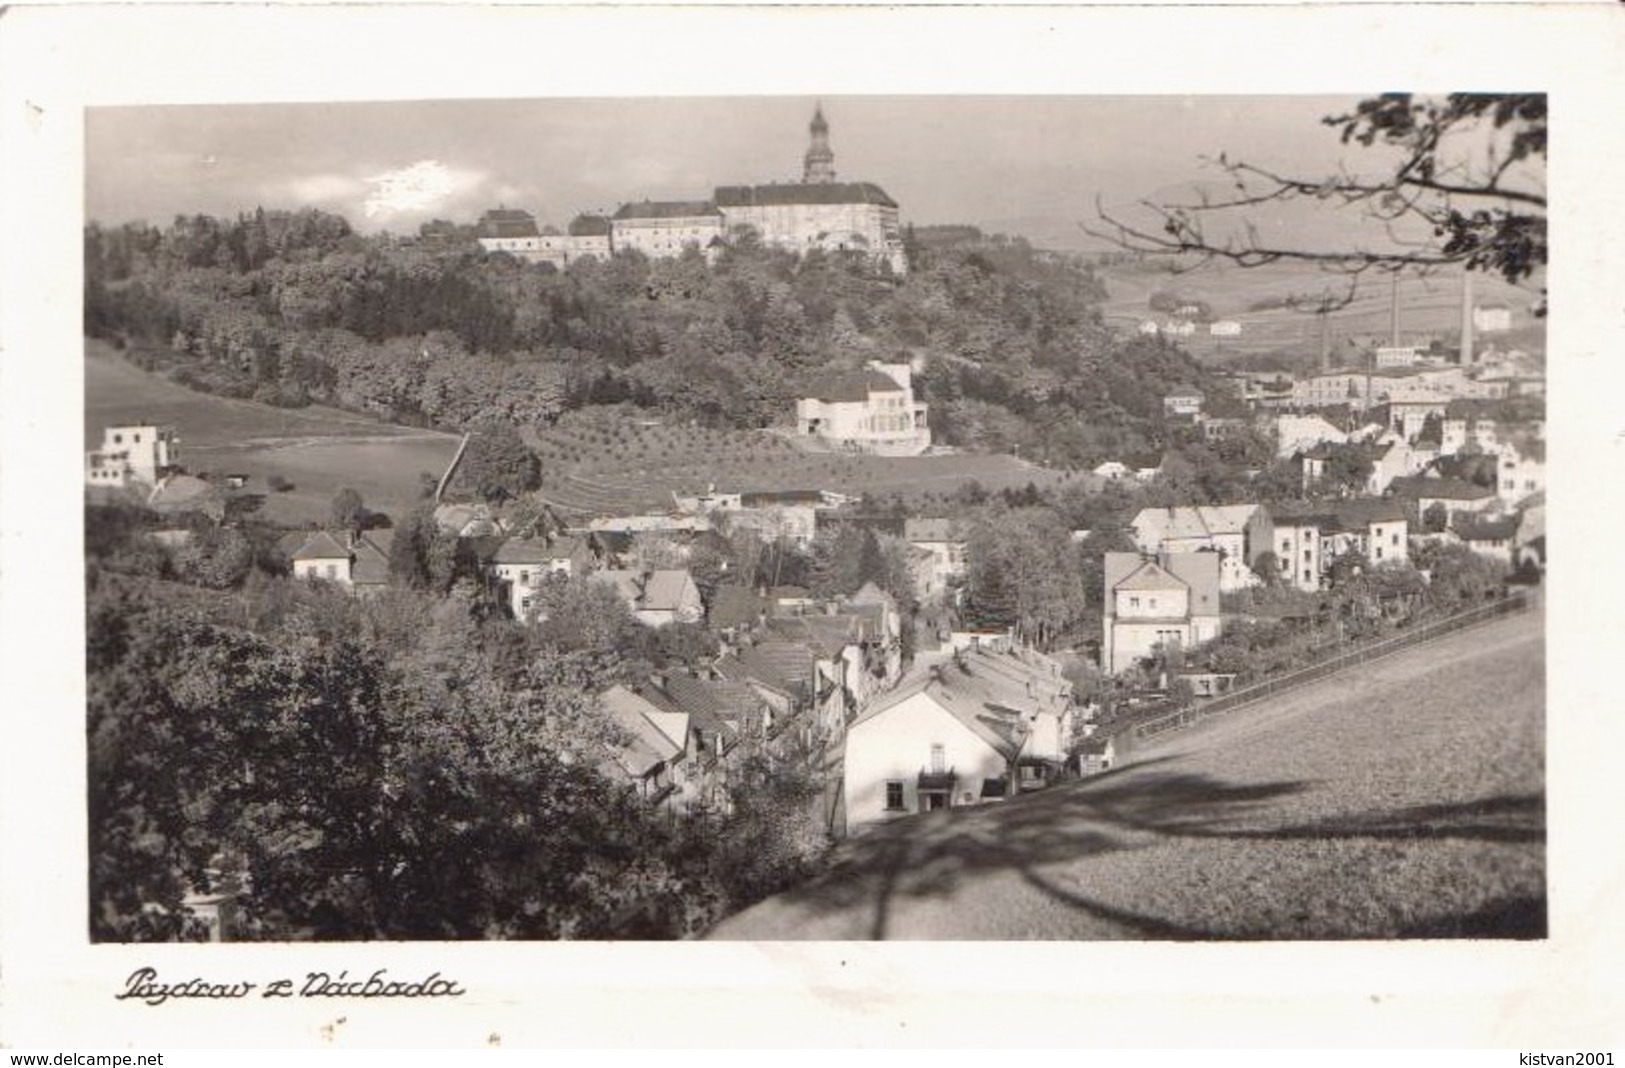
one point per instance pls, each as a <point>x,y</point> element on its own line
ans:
<point>651,745</point>
<point>1454,494</point>
<point>517,568</point>
<point>321,555</point>
<point>939,555</point>
<point>1155,604</point>
<point>1239,533</point>
<point>955,733</point>
<point>658,598</point>
<point>871,410</point>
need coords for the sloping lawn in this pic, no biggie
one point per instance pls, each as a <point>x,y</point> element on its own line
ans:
<point>1402,800</point>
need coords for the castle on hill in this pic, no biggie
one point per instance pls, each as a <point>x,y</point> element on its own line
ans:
<point>818,212</point>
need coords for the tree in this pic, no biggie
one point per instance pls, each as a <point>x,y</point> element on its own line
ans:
<point>348,512</point>
<point>498,464</point>
<point>1461,183</point>
<point>1436,518</point>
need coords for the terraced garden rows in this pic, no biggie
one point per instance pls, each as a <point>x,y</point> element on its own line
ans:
<point>593,466</point>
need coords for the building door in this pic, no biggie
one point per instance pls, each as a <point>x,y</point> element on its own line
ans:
<point>935,802</point>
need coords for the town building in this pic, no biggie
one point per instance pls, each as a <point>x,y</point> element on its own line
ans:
<point>518,568</point>
<point>940,555</point>
<point>1154,605</point>
<point>1238,533</point>
<point>137,452</point>
<point>816,213</point>
<point>360,563</point>
<point>1308,539</point>
<point>667,227</point>
<point>872,410</point>
<point>1451,494</point>
<point>961,732</point>
<point>1185,403</point>
<point>657,598</point>
<point>1493,318</point>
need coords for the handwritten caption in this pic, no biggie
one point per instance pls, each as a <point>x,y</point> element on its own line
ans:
<point>144,986</point>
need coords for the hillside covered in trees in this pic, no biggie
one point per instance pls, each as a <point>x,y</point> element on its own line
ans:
<point>295,308</point>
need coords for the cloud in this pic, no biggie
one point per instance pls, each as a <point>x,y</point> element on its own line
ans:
<point>417,189</point>
<point>325,188</point>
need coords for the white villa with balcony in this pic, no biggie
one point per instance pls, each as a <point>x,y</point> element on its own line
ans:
<point>872,410</point>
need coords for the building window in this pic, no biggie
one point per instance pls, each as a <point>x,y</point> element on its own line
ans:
<point>1306,556</point>
<point>1379,552</point>
<point>894,795</point>
<point>1134,602</point>
<point>939,760</point>
<point>118,439</point>
<point>1396,539</point>
<point>332,571</point>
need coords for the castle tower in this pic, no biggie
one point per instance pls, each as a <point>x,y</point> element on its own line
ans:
<point>818,166</point>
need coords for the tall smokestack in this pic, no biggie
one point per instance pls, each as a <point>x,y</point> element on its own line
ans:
<point>1393,312</point>
<point>1467,319</point>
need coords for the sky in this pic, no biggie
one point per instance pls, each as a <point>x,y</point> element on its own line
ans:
<point>1032,165</point>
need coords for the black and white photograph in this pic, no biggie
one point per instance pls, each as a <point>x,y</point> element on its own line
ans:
<point>694,517</point>
<point>856,518</point>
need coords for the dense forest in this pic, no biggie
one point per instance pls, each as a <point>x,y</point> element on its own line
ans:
<point>291,308</point>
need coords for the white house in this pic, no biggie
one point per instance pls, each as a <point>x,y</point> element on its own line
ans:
<point>1157,604</point>
<point>1224,328</point>
<point>940,560</point>
<point>1307,539</point>
<point>520,566</point>
<point>872,410</point>
<point>1182,403</point>
<point>140,452</point>
<point>955,733</point>
<point>1492,318</point>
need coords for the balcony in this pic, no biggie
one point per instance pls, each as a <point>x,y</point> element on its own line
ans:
<point>936,780</point>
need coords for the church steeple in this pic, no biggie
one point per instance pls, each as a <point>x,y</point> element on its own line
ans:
<point>818,166</point>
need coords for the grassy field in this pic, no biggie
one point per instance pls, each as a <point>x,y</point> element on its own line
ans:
<point>319,450</point>
<point>593,463</point>
<point>1403,800</point>
<point>1428,306</point>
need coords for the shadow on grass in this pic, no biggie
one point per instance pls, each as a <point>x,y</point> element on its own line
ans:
<point>934,856</point>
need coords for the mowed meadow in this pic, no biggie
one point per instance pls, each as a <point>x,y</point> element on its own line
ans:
<point>607,463</point>
<point>1429,306</point>
<point>319,450</point>
<point>594,462</point>
<point>1401,799</point>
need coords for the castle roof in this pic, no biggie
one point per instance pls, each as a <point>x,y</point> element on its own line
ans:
<point>507,222</point>
<point>665,209</point>
<point>766,196</point>
<point>589,226</point>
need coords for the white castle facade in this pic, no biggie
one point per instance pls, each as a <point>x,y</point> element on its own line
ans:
<point>818,212</point>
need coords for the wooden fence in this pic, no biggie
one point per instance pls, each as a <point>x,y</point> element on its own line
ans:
<point>1360,654</point>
